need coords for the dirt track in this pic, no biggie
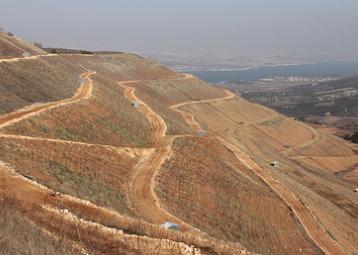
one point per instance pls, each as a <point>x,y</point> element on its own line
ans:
<point>316,137</point>
<point>143,195</point>
<point>26,58</point>
<point>189,118</point>
<point>309,222</point>
<point>83,92</point>
<point>142,191</point>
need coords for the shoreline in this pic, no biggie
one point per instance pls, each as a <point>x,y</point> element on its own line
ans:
<point>258,67</point>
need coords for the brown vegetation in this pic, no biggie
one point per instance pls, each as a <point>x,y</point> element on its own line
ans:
<point>11,46</point>
<point>36,81</point>
<point>195,184</point>
<point>93,172</point>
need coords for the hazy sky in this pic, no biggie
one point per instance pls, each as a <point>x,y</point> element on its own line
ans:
<point>248,27</point>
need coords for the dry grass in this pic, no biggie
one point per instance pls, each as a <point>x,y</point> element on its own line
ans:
<point>206,186</point>
<point>18,235</point>
<point>123,67</point>
<point>327,195</point>
<point>93,173</point>
<point>41,80</point>
<point>107,118</point>
<point>11,47</point>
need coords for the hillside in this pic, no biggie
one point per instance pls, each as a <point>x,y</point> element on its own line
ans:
<point>13,47</point>
<point>98,151</point>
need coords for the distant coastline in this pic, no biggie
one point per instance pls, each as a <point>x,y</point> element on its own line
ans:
<point>312,69</point>
<point>182,70</point>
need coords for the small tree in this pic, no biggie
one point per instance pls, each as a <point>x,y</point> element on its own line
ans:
<point>10,34</point>
<point>86,52</point>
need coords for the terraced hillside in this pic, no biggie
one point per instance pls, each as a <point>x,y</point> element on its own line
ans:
<point>98,151</point>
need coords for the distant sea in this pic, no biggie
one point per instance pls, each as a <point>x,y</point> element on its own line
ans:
<point>324,69</point>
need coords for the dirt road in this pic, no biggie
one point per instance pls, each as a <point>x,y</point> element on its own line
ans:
<point>58,215</point>
<point>30,194</point>
<point>313,228</point>
<point>142,195</point>
<point>83,92</point>
<point>4,60</point>
<point>316,137</point>
<point>189,118</point>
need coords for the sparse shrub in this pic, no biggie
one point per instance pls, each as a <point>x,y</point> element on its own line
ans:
<point>86,52</point>
<point>10,34</point>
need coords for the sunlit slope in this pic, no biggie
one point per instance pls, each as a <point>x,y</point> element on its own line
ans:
<point>319,168</point>
<point>12,47</point>
<point>45,79</point>
<point>102,161</point>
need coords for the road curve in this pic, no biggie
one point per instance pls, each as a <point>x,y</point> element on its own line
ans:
<point>316,137</point>
<point>83,92</point>
<point>311,225</point>
<point>143,185</point>
<point>189,118</point>
<point>143,195</point>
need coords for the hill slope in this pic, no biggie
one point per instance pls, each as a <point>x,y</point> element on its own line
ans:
<point>12,47</point>
<point>103,163</point>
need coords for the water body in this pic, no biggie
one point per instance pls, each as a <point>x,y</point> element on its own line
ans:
<point>303,70</point>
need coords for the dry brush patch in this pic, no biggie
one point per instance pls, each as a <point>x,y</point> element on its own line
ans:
<point>179,90</point>
<point>221,116</point>
<point>123,67</point>
<point>161,94</point>
<point>106,118</point>
<point>328,196</point>
<point>206,186</point>
<point>94,173</point>
<point>34,81</point>
<point>99,229</point>
<point>328,145</point>
<point>18,235</point>
<point>12,47</point>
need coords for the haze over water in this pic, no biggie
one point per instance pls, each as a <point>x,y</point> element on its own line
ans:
<point>304,70</point>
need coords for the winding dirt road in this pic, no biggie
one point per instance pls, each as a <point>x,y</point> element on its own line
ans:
<point>143,196</point>
<point>142,191</point>
<point>30,194</point>
<point>313,228</point>
<point>83,92</point>
<point>316,137</point>
<point>189,118</point>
